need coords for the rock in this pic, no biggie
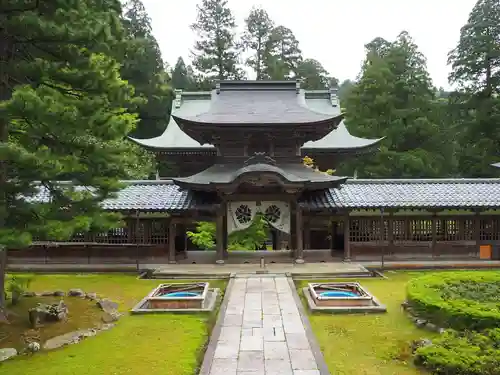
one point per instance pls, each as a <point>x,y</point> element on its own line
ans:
<point>106,326</point>
<point>69,338</point>
<point>420,323</point>
<point>441,331</point>
<point>47,313</point>
<point>29,294</point>
<point>431,327</point>
<point>47,294</point>
<point>59,293</point>
<point>107,306</point>
<point>421,343</point>
<point>76,293</point>
<point>111,317</point>
<point>405,305</point>
<point>33,347</point>
<point>7,353</point>
<point>91,296</point>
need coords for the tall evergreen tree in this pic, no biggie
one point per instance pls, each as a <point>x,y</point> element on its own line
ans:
<point>476,69</point>
<point>62,112</point>
<point>143,67</point>
<point>314,76</point>
<point>258,29</point>
<point>395,98</point>
<point>283,54</point>
<point>215,52</point>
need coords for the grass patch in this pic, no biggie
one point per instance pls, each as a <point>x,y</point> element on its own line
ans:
<point>167,344</point>
<point>371,344</point>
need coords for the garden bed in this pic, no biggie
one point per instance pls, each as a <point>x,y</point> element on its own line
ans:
<point>168,344</point>
<point>459,300</point>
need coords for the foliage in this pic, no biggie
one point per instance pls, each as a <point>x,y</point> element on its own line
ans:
<point>251,238</point>
<point>143,68</point>
<point>170,344</point>
<point>283,54</point>
<point>475,107</point>
<point>17,285</point>
<point>258,29</point>
<point>467,353</point>
<point>459,300</point>
<point>64,114</point>
<point>394,98</point>
<point>216,54</point>
<point>314,76</point>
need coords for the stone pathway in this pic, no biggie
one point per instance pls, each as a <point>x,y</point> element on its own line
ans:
<point>262,332</point>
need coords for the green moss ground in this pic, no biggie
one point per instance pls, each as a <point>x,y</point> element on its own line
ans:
<point>371,344</point>
<point>166,344</point>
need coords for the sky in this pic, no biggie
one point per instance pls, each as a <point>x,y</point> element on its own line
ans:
<point>333,32</point>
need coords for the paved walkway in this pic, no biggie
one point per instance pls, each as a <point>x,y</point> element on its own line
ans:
<point>262,332</point>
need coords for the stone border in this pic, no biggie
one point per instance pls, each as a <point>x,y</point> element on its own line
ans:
<point>210,303</point>
<point>378,308</point>
<point>215,334</point>
<point>318,355</point>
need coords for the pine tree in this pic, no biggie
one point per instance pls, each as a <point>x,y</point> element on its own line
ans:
<point>395,98</point>
<point>216,54</point>
<point>143,68</point>
<point>314,76</point>
<point>476,106</point>
<point>62,112</point>
<point>258,29</point>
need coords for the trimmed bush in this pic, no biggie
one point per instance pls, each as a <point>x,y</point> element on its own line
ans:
<point>469,353</point>
<point>458,300</point>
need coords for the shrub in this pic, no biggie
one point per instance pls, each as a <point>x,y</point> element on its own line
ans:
<point>458,300</point>
<point>468,353</point>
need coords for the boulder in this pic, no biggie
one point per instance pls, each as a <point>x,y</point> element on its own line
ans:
<point>111,317</point>
<point>68,338</point>
<point>7,353</point>
<point>107,306</point>
<point>421,343</point>
<point>33,347</point>
<point>59,293</point>
<point>43,313</point>
<point>30,294</point>
<point>431,327</point>
<point>420,323</point>
<point>47,294</point>
<point>91,296</point>
<point>76,293</point>
<point>405,305</point>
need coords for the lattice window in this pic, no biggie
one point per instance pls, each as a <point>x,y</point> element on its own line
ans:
<point>79,237</point>
<point>495,226</point>
<point>399,230</point>
<point>421,229</point>
<point>486,229</point>
<point>366,230</point>
<point>159,231</point>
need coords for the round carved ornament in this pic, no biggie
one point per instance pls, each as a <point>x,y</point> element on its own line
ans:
<point>272,213</point>
<point>243,214</point>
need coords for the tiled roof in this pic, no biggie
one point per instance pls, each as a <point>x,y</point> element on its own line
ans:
<point>153,195</point>
<point>410,193</point>
<point>156,195</point>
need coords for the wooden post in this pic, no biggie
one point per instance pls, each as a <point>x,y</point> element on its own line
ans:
<point>434,235</point>
<point>299,226</point>
<point>219,237</point>
<point>347,247</point>
<point>172,232</point>
<point>292,242</point>
<point>333,233</point>
<point>477,231</point>
<point>390,233</point>
<point>307,233</point>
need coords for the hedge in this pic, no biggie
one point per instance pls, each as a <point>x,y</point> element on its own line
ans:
<point>469,353</point>
<point>427,297</point>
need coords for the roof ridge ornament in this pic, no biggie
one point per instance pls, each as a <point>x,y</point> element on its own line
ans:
<point>178,98</point>
<point>260,158</point>
<point>334,97</point>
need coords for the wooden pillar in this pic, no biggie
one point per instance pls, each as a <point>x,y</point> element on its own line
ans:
<point>347,242</point>
<point>390,233</point>
<point>172,232</point>
<point>224,231</point>
<point>307,233</point>
<point>434,235</point>
<point>477,231</point>
<point>299,226</point>
<point>333,233</point>
<point>219,237</point>
<point>292,241</point>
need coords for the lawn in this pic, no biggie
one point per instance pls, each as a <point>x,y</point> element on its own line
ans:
<point>375,344</point>
<point>167,344</point>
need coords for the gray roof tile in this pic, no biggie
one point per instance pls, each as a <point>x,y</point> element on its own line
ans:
<point>154,195</point>
<point>411,193</point>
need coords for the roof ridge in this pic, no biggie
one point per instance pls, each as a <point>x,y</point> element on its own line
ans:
<point>468,180</point>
